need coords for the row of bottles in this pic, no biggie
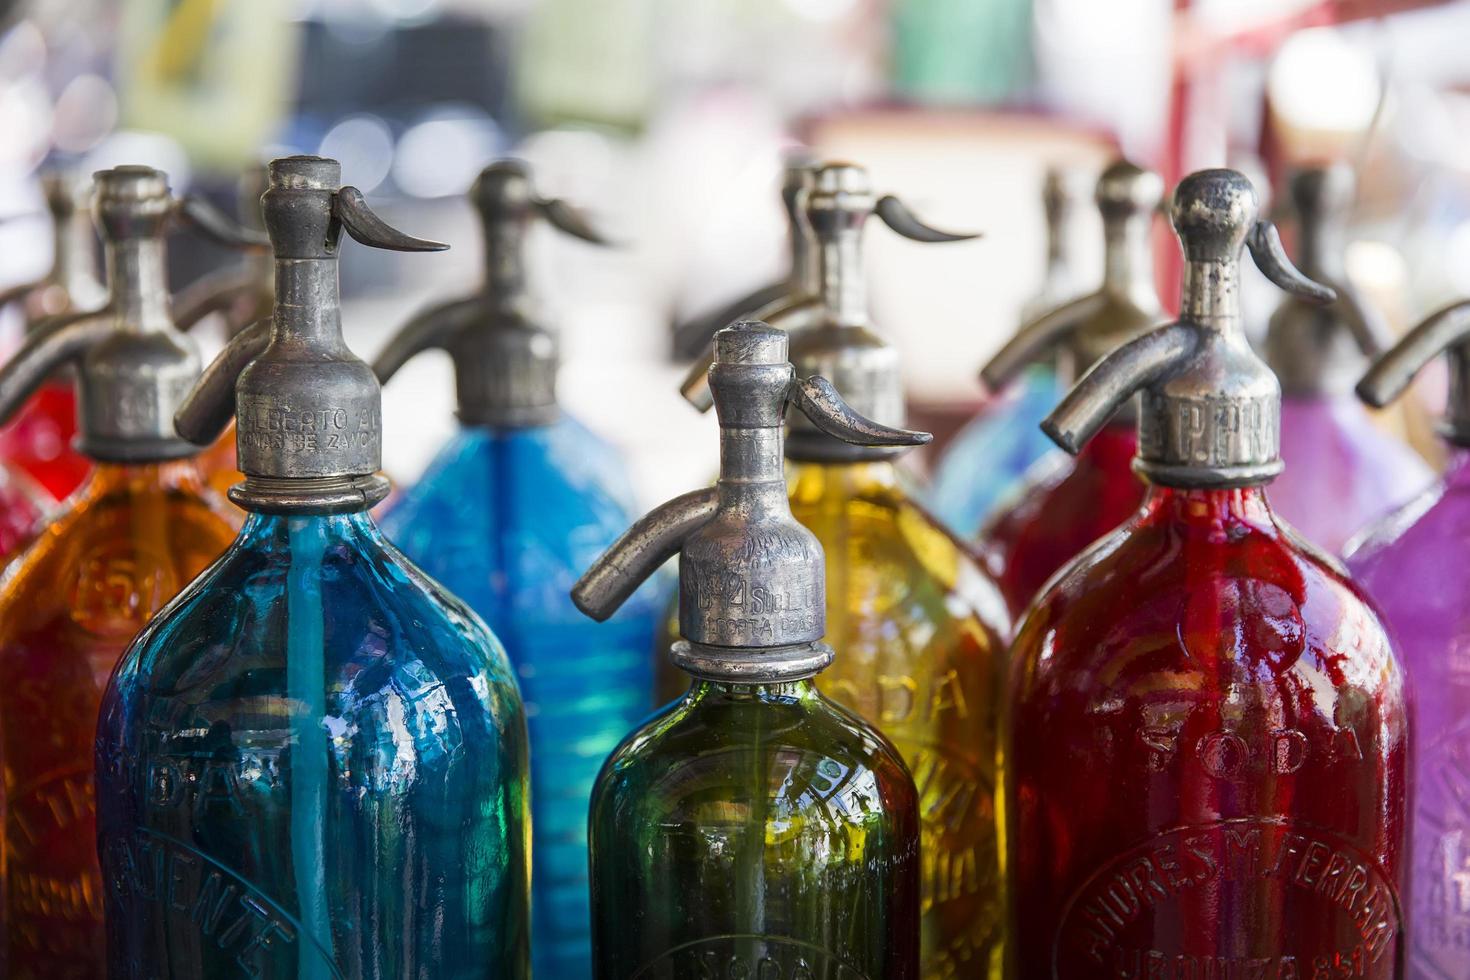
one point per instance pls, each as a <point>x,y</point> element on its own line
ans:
<point>1137,727</point>
<point>1204,764</point>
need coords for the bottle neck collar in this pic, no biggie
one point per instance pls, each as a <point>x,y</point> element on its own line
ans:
<point>1210,509</point>
<point>802,689</point>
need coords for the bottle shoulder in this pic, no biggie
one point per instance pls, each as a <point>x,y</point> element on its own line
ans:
<point>889,556</point>
<point>810,753</point>
<point>556,489</point>
<point>111,561</point>
<point>1412,558</point>
<point>1153,599</point>
<point>376,622</point>
<point>509,519</point>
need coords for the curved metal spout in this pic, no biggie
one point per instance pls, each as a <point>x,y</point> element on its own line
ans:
<point>640,551</point>
<point>1113,380</point>
<point>53,343</point>
<point>1264,243</point>
<point>1034,339</point>
<point>431,328</point>
<point>365,226</point>
<point>568,220</point>
<point>1392,372</point>
<point>897,216</point>
<point>820,402</point>
<point>206,411</point>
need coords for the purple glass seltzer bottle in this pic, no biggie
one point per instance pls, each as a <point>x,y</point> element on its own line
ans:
<point>1413,565</point>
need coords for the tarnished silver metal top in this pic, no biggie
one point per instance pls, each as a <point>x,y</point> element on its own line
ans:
<point>1321,350</point>
<point>831,332</point>
<point>71,284</point>
<point>242,293</point>
<point>1447,331</point>
<point>505,360</point>
<point>1210,415</point>
<point>133,367</point>
<point>752,585</point>
<point>1059,197</point>
<point>309,415</point>
<point>693,337</point>
<point>1080,332</point>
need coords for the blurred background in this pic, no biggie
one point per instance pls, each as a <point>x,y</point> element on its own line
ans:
<point>666,121</point>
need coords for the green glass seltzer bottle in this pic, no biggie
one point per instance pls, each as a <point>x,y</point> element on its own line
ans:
<point>753,828</point>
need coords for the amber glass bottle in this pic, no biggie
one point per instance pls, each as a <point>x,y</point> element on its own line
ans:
<point>132,537</point>
<point>922,660</point>
<point>141,527</point>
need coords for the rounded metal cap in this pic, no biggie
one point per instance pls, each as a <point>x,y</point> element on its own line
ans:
<point>131,202</point>
<point>1318,193</point>
<point>503,192</point>
<point>66,193</point>
<point>1213,212</point>
<point>1125,189</point>
<point>751,342</point>
<point>304,172</point>
<point>297,207</point>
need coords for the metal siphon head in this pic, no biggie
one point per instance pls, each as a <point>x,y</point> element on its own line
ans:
<point>752,585</point>
<point>1210,409</point>
<point>133,367</point>
<point>309,426</point>
<point>505,360</point>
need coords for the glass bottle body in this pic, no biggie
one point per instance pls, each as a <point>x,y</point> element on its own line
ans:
<point>1062,506</point>
<point>38,441</point>
<point>313,765</point>
<point>1334,452</point>
<point>989,456</point>
<point>506,520</point>
<point>1413,567</point>
<point>755,831</point>
<point>129,540</point>
<point>1205,757</point>
<point>23,505</point>
<point>922,632</point>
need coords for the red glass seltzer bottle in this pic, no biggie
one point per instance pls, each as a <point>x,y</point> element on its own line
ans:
<point>1205,759</point>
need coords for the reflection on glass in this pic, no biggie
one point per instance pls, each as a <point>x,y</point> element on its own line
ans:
<point>755,831</point>
<point>1206,757</point>
<point>313,766</point>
